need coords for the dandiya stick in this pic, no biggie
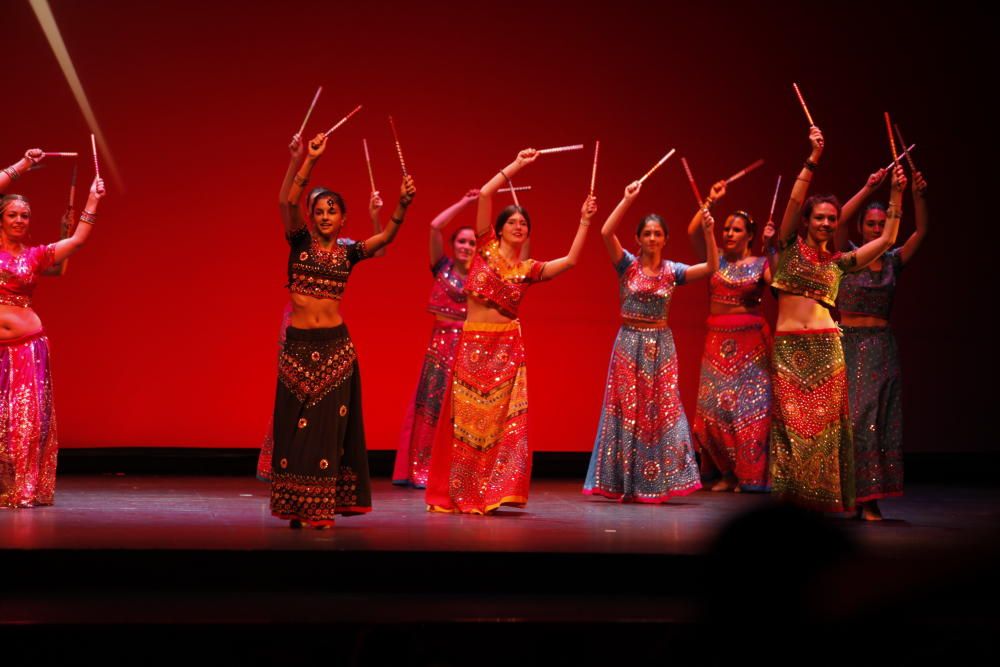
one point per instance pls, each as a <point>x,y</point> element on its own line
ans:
<point>48,154</point>
<point>368,161</point>
<point>512,190</point>
<point>72,186</point>
<point>561,149</point>
<point>802,101</point>
<point>399,150</point>
<point>743,172</point>
<point>774,201</point>
<point>93,146</point>
<point>892,139</point>
<point>519,188</point>
<point>593,172</point>
<point>906,153</point>
<point>657,165</point>
<point>309,113</point>
<point>343,120</point>
<point>694,186</point>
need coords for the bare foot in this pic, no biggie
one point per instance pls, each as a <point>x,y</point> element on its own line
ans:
<point>868,511</point>
<point>727,483</point>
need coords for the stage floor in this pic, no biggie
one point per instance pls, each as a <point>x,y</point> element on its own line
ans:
<point>231,513</point>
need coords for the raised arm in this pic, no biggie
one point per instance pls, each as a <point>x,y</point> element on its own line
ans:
<point>711,264</point>
<point>611,242</point>
<point>919,187</point>
<point>294,219</point>
<point>793,212</point>
<point>10,174</point>
<point>442,220</point>
<point>406,193</point>
<point>695,231</point>
<point>853,205</point>
<point>556,266</point>
<point>289,209</point>
<point>66,229</point>
<point>374,207</point>
<point>484,211</point>
<point>88,218</point>
<point>874,249</point>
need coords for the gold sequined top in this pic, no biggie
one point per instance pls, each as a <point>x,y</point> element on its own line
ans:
<point>810,272</point>
<point>495,280</point>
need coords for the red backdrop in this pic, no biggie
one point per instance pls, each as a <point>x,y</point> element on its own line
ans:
<point>164,331</point>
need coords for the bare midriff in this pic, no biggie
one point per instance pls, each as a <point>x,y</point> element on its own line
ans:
<point>719,308</point>
<point>308,312</point>
<point>798,313</point>
<point>861,320</point>
<point>480,311</point>
<point>16,322</point>
<point>644,324</point>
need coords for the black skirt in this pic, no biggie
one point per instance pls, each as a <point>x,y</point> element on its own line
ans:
<point>320,463</point>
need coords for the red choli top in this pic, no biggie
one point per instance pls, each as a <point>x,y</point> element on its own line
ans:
<point>19,273</point>
<point>810,272</point>
<point>738,284</point>
<point>448,291</point>
<point>321,273</point>
<point>497,282</point>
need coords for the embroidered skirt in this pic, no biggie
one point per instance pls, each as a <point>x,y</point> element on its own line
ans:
<point>28,443</point>
<point>733,420</point>
<point>812,451</point>
<point>320,464</point>
<point>875,396</point>
<point>267,446</point>
<point>642,452</point>
<point>480,458</point>
<point>413,455</point>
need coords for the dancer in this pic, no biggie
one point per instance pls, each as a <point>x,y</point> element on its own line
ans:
<point>28,442</point>
<point>733,418</point>
<point>643,452</point>
<point>447,303</point>
<point>873,376</point>
<point>296,148</point>
<point>481,459</point>
<point>320,463</point>
<point>812,462</point>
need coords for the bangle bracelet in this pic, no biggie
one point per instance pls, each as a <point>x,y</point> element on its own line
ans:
<point>398,221</point>
<point>88,217</point>
<point>301,182</point>
<point>810,165</point>
<point>585,223</point>
<point>11,172</point>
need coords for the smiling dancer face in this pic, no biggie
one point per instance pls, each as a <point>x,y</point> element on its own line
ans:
<point>737,233</point>
<point>15,213</point>
<point>463,245</point>
<point>652,235</point>
<point>821,215</point>
<point>872,222</point>
<point>513,226</point>
<point>329,213</point>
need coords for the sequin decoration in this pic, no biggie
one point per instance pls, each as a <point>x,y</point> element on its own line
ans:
<point>413,455</point>
<point>19,273</point>
<point>311,378</point>
<point>738,283</point>
<point>875,396</point>
<point>868,292</point>
<point>481,458</point>
<point>647,298</point>
<point>267,446</point>
<point>643,450</point>
<point>809,272</point>
<point>812,452</point>
<point>28,443</point>
<point>497,282</point>
<point>732,423</point>
<point>320,273</point>
<point>448,290</point>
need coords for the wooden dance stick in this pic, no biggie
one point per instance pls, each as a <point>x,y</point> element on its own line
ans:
<point>48,154</point>
<point>657,165</point>
<point>519,188</point>
<point>694,186</point>
<point>892,139</point>
<point>72,186</point>
<point>743,172</point>
<point>309,113</point>
<point>399,150</point>
<point>343,120</point>
<point>93,146</point>
<point>774,201</point>
<point>802,101</point>
<point>593,172</point>
<point>511,189</point>
<point>906,153</point>
<point>561,149</point>
<point>368,161</point>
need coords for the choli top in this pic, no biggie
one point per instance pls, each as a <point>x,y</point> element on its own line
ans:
<point>321,273</point>
<point>647,298</point>
<point>19,273</point>
<point>495,280</point>
<point>738,284</point>
<point>871,292</point>
<point>810,272</point>
<point>448,291</point>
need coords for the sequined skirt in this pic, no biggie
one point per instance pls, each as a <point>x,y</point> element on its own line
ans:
<point>733,420</point>
<point>812,452</point>
<point>320,463</point>
<point>267,445</point>
<point>875,396</point>
<point>28,443</point>
<point>416,439</point>
<point>643,450</point>
<point>480,458</point>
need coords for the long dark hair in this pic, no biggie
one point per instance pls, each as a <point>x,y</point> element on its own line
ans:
<point>326,193</point>
<point>505,215</point>
<point>654,218</point>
